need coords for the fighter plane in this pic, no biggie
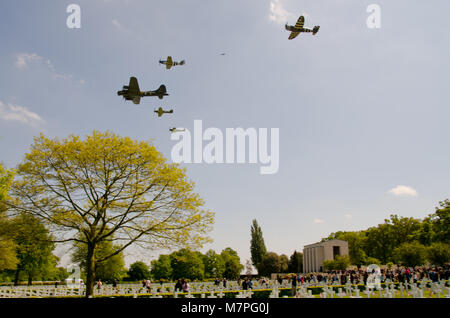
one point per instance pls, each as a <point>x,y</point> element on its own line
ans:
<point>169,62</point>
<point>176,130</point>
<point>132,92</point>
<point>161,111</point>
<point>298,28</point>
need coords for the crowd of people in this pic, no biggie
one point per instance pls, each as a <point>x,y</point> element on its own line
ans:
<point>354,276</point>
<point>397,274</point>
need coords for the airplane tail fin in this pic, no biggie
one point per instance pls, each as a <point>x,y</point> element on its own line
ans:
<point>162,91</point>
<point>316,29</point>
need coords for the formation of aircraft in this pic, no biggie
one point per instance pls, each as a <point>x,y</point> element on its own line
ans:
<point>169,62</point>
<point>299,28</point>
<point>161,111</point>
<point>132,92</point>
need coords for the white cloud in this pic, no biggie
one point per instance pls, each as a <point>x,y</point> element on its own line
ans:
<point>23,60</point>
<point>19,113</point>
<point>348,216</point>
<point>119,26</point>
<point>278,13</point>
<point>318,220</point>
<point>402,190</point>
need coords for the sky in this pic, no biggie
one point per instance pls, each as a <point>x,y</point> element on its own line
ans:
<point>362,112</point>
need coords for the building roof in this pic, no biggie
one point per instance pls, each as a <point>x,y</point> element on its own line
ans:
<point>323,243</point>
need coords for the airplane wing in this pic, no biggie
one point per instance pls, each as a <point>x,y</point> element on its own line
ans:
<point>169,62</point>
<point>133,89</point>
<point>293,35</point>
<point>300,22</point>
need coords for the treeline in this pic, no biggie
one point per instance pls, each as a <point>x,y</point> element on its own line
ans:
<point>402,240</point>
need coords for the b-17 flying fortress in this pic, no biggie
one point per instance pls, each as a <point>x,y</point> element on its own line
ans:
<point>132,92</point>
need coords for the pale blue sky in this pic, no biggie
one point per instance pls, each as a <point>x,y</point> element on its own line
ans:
<point>360,110</point>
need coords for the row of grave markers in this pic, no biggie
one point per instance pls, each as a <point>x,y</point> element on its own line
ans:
<point>415,290</point>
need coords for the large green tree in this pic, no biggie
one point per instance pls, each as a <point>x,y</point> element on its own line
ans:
<point>441,222</point>
<point>106,187</point>
<point>438,253</point>
<point>270,264</point>
<point>232,263</point>
<point>138,271</point>
<point>34,246</point>
<point>296,263</point>
<point>187,264</point>
<point>214,264</point>
<point>410,254</point>
<point>161,268</point>
<point>8,259</point>
<point>257,245</point>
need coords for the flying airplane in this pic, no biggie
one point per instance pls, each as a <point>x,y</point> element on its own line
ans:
<point>298,28</point>
<point>176,130</point>
<point>132,92</point>
<point>161,111</point>
<point>169,62</point>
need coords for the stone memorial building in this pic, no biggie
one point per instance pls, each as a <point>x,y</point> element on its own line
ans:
<point>315,254</point>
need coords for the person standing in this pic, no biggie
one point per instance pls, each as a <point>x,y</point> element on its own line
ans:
<point>294,286</point>
<point>178,286</point>
<point>185,287</point>
<point>245,284</point>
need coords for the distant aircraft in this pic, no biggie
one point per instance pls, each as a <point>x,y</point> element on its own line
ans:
<point>176,130</point>
<point>169,62</point>
<point>161,111</point>
<point>132,92</point>
<point>298,28</point>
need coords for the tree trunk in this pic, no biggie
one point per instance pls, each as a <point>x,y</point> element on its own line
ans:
<point>16,278</point>
<point>30,279</point>
<point>90,271</point>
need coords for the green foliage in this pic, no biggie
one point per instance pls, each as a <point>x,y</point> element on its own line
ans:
<point>257,245</point>
<point>161,268</point>
<point>214,264</point>
<point>284,263</point>
<point>410,254</point>
<point>296,263</point>
<point>8,259</point>
<point>187,264</point>
<point>438,253</point>
<point>441,222</point>
<point>34,246</point>
<point>372,260</point>
<point>138,271</point>
<point>105,186</point>
<point>340,263</point>
<point>108,269</point>
<point>6,178</point>
<point>270,264</point>
<point>232,263</point>
<point>381,242</point>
